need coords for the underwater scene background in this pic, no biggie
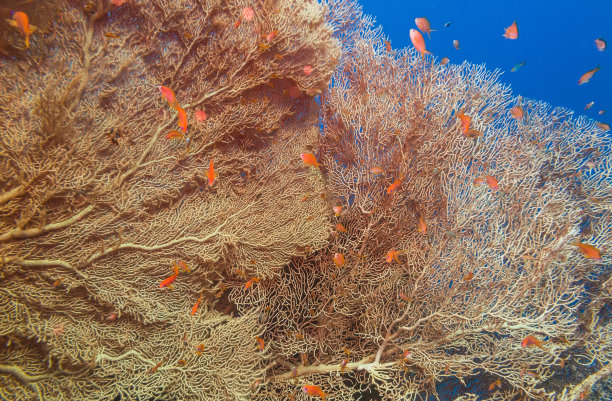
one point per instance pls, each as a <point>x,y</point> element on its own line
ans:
<point>285,200</point>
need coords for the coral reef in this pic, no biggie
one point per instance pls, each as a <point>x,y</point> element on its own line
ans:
<point>439,280</point>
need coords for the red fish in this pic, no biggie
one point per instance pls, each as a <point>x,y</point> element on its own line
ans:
<point>199,349</point>
<point>168,282</point>
<point>197,304</point>
<point>586,77</point>
<point>531,341</point>
<point>168,94</point>
<point>310,159</point>
<point>465,121</point>
<point>183,266</point>
<point>175,135</point>
<point>601,44</point>
<point>308,69</point>
<point>182,118</point>
<point>422,227</point>
<point>270,37</point>
<point>340,228</point>
<point>260,343</point>
<point>511,32</point>
<point>249,283</point>
<point>395,185</point>
<point>418,42</point>
<point>212,174</point>
<point>339,259</point>
<point>337,210</point>
<point>444,61</point>
<point>392,255</point>
<point>589,251</point>
<point>517,112</point>
<point>492,182</point>
<point>20,21</point>
<point>496,383</point>
<point>424,25</point>
<point>311,389</point>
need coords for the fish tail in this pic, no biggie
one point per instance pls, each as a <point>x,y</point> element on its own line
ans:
<point>27,40</point>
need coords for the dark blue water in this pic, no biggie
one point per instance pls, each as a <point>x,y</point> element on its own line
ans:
<point>556,38</point>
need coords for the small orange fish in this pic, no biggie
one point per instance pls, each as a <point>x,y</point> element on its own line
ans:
<point>197,304</point>
<point>111,35</point>
<point>311,389</point>
<point>248,13</point>
<point>211,174</point>
<point>340,228</point>
<point>118,3</point>
<point>589,251</point>
<point>511,32</point>
<point>586,77</point>
<point>260,343</point>
<point>337,210</point>
<point>183,266</point>
<point>407,355</point>
<point>376,170</point>
<point>200,349</point>
<point>339,259</point>
<point>181,362</point>
<point>600,43</point>
<point>465,121</point>
<point>444,61</point>
<point>270,37</point>
<point>112,317</point>
<point>182,118</point>
<point>478,181</point>
<point>492,182</point>
<point>517,112</point>
<point>200,115</point>
<point>154,368</point>
<point>468,276</point>
<point>249,283</point>
<point>424,25</point>
<point>392,255</point>
<point>583,394</point>
<point>589,105</point>
<point>472,133</point>
<point>495,384</point>
<point>418,42</point>
<point>310,159</point>
<point>395,185</point>
<point>168,94</point>
<point>304,357</point>
<point>421,227</point>
<point>456,44</point>
<point>387,46</point>
<point>175,135</point>
<point>603,126</point>
<point>20,20</point>
<point>531,341</point>
<point>294,372</point>
<point>168,282</point>
<point>57,282</point>
<point>308,69</point>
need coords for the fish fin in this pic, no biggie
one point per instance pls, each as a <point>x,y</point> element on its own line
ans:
<point>12,22</point>
<point>169,286</point>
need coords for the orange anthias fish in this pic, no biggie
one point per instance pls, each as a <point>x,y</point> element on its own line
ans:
<point>424,25</point>
<point>311,389</point>
<point>308,69</point>
<point>211,174</point>
<point>310,159</point>
<point>532,341</point>
<point>589,105</point>
<point>465,121</point>
<point>175,135</point>
<point>260,343</point>
<point>337,210</point>
<point>422,227</point>
<point>586,77</point>
<point>517,112</point>
<point>492,182</point>
<point>200,115</point>
<point>444,61</point>
<point>199,349</point>
<point>418,42</point>
<point>197,304</point>
<point>511,32</point>
<point>182,118</point>
<point>270,37</point>
<point>478,181</point>
<point>340,228</point>
<point>392,255</point>
<point>395,185</point>
<point>601,44</point>
<point>339,260</point>
<point>249,283</point>
<point>168,94</point>
<point>589,251</point>
<point>20,21</point>
<point>456,44</point>
<point>168,282</point>
<point>495,384</point>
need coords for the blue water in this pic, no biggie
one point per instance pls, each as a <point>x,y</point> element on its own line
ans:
<point>556,38</point>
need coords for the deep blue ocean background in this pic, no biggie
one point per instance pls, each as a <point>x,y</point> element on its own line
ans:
<point>556,38</point>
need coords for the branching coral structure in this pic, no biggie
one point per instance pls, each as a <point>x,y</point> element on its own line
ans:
<point>161,238</point>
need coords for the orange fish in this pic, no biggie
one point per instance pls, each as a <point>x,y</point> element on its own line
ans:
<point>197,304</point>
<point>168,282</point>
<point>492,182</point>
<point>465,121</point>
<point>337,210</point>
<point>422,227</point>
<point>260,343</point>
<point>517,112</point>
<point>310,159</point>
<point>339,259</point>
<point>199,349</point>
<point>182,117</point>
<point>468,276</point>
<point>308,69</point>
<point>424,25</point>
<point>154,368</point>
<point>211,174</point>
<point>601,44</point>
<point>496,383</point>
<point>376,170</point>
<point>444,61</point>
<point>248,13</point>
<point>418,42</point>
<point>200,115</point>
<point>21,22</point>
<point>168,94</point>
<point>456,44</point>
<point>270,37</point>
<point>311,389</point>
<point>472,133</point>
<point>478,182</point>
<point>531,341</point>
<point>586,77</point>
<point>589,251</point>
<point>249,283</point>
<point>175,135</point>
<point>183,266</point>
<point>511,32</point>
<point>589,105</point>
<point>603,126</point>
<point>395,185</point>
<point>340,228</point>
<point>392,255</point>
<point>387,46</point>
<point>343,364</point>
